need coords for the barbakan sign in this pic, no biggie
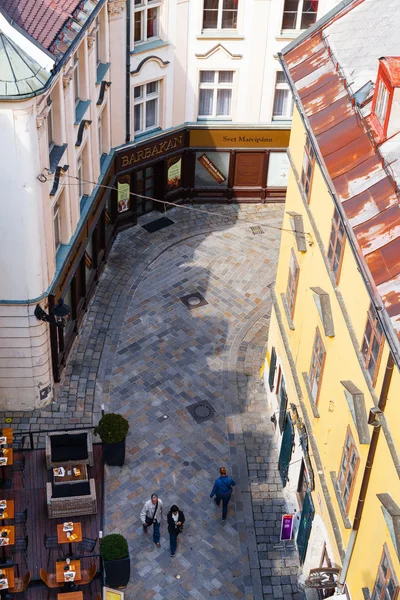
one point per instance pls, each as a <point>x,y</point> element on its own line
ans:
<point>130,158</point>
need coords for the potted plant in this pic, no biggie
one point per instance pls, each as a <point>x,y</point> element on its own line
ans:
<point>114,552</point>
<point>113,429</point>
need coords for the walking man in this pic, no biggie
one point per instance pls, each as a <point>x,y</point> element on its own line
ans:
<point>223,491</point>
<point>175,519</point>
<point>151,514</point>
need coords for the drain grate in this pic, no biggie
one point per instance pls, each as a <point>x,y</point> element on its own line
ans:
<point>201,411</point>
<point>194,300</point>
<point>257,230</point>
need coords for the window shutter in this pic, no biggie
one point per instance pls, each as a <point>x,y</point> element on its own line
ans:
<point>272,366</point>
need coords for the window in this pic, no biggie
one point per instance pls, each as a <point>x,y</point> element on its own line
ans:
<point>283,101</point>
<point>50,129</point>
<point>146,23</point>
<point>146,106</point>
<point>308,168</point>
<point>372,344</point>
<point>382,101</point>
<point>215,94</point>
<point>386,586</point>
<point>56,226</point>
<point>98,40</point>
<point>317,366</point>
<point>348,470</point>
<point>220,14</point>
<point>76,79</point>
<point>293,280</point>
<point>80,178</point>
<point>336,245</point>
<point>299,14</point>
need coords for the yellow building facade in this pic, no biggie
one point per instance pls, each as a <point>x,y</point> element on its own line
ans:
<point>333,351</point>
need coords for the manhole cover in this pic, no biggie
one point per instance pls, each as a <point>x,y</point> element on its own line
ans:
<point>256,230</point>
<point>194,300</point>
<point>201,411</point>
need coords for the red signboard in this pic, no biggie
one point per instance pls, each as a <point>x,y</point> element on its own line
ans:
<point>286,528</point>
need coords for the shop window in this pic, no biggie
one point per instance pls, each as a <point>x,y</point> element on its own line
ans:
<point>293,280</point>
<point>147,20</point>
<point>220,14</point>
<point>272,369</point>
<point>212,169</point>
<point>89,259</point>
<point>372,344</point>
<point>299,14</point>
<point>146,106</point>
<point>386,585</point>
<point>215,94</point>
<point>283,100</point>
<point>57,226</point>
<point>278,169</point>
<point>317,366</point>
<point>308,168</point>
<point>348,470</point>
<point>336,246</point>
<point>283,400</point>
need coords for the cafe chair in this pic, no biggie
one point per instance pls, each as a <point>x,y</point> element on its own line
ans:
<point>87,576</point>
<point>51,543</point>
<point>21,547</point>
<point>20,518</point>
<point>98,597</point>
<point>50,580</point>
<point>86,545</point>
<point>20,584</point>
<point>18,466</point>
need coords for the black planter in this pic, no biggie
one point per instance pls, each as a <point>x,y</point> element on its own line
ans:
<point>114,454</point>
<point>118,572</point>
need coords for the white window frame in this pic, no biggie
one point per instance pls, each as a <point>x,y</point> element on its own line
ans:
<point>282,86</point>
<point>81,184</point>
<point>76,80</point>
<point>217,86</point>
<point>56,216</point>
<point>98,41</point>
<point>219,19</point>
<point>142,8</point>
<point>100,133</point>
<point>298,17</point>
<point>50,128</point>
<point>143,99</point>
<point>382,102</point>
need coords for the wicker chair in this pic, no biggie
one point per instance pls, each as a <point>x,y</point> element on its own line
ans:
<point>69,505</point>
<point>87,576</point>
<point>20,584</point>
<point>67,448</point>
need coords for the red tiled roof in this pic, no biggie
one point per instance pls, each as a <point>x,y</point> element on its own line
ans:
<point>41,19</point>
<point>359,180</point>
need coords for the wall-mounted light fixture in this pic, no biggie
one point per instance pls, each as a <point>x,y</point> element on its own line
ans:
<point>58,315</point>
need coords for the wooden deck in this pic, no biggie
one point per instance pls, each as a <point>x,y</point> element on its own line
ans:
<point>33,497</point>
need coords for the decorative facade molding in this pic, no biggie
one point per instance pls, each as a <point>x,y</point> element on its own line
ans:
<point>67,77</point>
<point>161,63</point>
<point>116,8</point>
<point>90,41</point>
<point>39,122</point>
<point>222,49</point>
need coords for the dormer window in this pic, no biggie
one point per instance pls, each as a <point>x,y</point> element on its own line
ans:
<point>386,103</point>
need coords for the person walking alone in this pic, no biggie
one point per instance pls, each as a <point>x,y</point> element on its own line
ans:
<point>151,514</point>
<point>222,490</point>
<point>175,519</point>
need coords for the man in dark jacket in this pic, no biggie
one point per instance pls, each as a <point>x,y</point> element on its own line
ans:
<point>223,490</point>
<point>175,519</point>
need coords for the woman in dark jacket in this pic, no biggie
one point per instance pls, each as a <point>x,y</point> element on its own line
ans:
<point>175,519</point>
<point>222,490</point>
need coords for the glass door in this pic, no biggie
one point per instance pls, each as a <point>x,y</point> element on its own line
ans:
<point>145,181</point>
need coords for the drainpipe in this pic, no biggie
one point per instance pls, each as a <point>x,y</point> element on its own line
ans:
<point>374,419</point>
<point>128,73</point>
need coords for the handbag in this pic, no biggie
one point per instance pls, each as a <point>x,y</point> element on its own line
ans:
<point>150,520</point>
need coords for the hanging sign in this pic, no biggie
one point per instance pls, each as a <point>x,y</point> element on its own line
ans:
<point>174,172</point>
<point>123,197</point>
<point>286,528</point>
<point>209,166</point>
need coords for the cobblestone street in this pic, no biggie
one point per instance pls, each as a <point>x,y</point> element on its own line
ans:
<point>144,353</point>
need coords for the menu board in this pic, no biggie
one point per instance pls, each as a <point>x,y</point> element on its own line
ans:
<point>278,169</point>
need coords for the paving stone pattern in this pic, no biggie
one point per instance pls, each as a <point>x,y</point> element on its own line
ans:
<point>143,353</point>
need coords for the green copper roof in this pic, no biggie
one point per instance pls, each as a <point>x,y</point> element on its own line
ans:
<point>20,75</point>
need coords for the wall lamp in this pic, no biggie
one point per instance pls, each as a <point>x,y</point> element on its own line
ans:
<point>58,315</point>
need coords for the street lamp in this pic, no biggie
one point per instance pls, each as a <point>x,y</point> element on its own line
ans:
<point>58,315</point>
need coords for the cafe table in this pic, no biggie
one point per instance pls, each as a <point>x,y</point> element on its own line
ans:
<point>10,576</point>
<point>72,474</point>
<point>7,432</point>
<point>9,510</point>
<point>76,535</point>
<point>10,529</point>
<point>75,565</point>
<point>7,453</point>
<point>70,596</point>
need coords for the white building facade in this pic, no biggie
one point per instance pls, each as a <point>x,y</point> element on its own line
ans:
<point>167,98</point>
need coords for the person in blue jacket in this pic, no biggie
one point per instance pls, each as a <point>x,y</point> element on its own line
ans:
<point>222,490</point>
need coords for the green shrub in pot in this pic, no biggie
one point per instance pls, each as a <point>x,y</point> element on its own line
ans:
<point>113,429</point>
<point>114,551</point>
